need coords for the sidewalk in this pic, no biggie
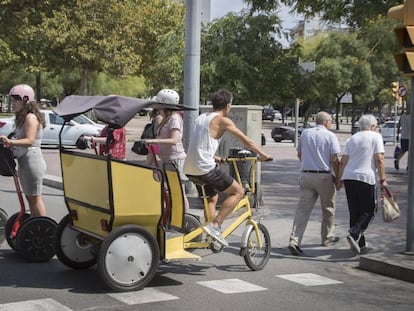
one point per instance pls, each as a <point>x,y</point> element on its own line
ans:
<point>386,241</point>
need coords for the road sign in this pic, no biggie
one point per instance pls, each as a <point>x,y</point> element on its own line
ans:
<point>402,91</point>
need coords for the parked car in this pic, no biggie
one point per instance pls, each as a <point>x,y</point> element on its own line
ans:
<point>388,130</point>
<point>78,127</point>
<point>268,114</point>
<point>277,115</point>
<point>285,132</point>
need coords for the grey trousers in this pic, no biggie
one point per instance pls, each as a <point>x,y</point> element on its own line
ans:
<point>312,186</point>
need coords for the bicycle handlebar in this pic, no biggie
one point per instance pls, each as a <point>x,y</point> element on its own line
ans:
<point>230,159</point>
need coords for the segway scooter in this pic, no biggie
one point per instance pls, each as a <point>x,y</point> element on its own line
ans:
<point>31,237</point>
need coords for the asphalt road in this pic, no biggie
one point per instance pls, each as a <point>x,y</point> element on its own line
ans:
<point>326,279</point>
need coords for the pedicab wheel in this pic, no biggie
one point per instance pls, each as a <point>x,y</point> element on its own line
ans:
<point>35,239</point>
<point>3,221</point>
<point>128,258</point>
<point>191,223</point>
<point>256,258</point>
<point>73,248</point>
<point>9,228</point>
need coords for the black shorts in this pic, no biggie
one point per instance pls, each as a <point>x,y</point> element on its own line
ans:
<point>214,181</point>
<point>404,145</point>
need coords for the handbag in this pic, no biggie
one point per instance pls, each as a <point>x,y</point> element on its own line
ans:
<point>139,148</point>
<point>7,163</point>
<point>397,151</point>
<point>390,209</point>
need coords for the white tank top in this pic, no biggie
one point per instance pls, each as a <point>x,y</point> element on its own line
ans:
<point>202,147</point>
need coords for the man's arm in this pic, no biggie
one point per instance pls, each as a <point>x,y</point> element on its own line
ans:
<point>335,163</point>
<point>340,171</point>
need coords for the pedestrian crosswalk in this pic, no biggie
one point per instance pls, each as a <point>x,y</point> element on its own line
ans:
<point>152,295</point>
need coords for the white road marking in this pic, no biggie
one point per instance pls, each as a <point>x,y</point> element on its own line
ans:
<point>232,286</point>
<point>308,279</point>
<point>145,295</point>
<point>34,305</point>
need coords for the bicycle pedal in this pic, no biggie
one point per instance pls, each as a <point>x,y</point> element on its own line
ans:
<point>215,246</point>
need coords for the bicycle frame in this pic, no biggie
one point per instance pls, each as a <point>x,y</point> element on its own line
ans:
<point>245,217</point>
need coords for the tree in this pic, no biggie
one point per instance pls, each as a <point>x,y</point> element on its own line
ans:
<point>241,53</point>
<point>355,13</point>
<point>116,37</point>
<point>341,67</point>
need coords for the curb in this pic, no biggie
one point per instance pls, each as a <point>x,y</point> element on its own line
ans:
<point>53,182</point>
<point>396,265</point>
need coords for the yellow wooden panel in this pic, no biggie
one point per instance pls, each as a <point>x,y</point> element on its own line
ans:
<point>85,179</point>
<point>89,219</point>
<point>137,196</point>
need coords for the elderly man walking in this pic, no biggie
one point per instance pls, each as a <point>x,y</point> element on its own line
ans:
<point>318,150</point>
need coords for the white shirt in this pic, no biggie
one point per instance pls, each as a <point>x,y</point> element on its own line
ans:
<point>202,147</point>
<point>361,149</point>
<point>316,145</point>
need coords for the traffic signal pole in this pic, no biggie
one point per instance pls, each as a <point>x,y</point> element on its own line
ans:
<point>405,61</point>
<point>410,207</point>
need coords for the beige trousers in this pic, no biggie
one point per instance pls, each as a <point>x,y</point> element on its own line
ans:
<point>312,186</point>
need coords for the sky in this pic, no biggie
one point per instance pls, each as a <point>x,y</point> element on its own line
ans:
<point>220,8</point>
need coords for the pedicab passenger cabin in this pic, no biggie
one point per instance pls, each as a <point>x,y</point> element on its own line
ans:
<point>114,206</point>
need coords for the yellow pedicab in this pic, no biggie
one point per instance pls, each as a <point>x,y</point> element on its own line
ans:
<point>115,208</point>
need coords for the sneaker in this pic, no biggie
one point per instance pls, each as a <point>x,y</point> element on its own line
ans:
<point>354,244</point>
<point>331,241</point>
<point>396,165</point>
<point>215,234</point>
<point>295,250</point>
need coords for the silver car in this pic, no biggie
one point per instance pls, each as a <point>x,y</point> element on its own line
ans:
<point>388,131</point>
<point>78,127</point>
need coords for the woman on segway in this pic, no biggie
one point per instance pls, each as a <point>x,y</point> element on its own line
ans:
<point>29,126</point>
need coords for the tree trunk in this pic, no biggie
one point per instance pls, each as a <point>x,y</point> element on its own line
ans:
<point>84,81</point>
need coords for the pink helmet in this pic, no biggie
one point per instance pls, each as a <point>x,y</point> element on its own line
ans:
<point>22,90</point>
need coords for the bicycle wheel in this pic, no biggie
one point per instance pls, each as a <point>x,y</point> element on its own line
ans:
<point>256,258</point>
<point>73,248</point>
<point>3,221</point>
<point>9,228</point>
<point>191,223</point>
<point>128,258</point>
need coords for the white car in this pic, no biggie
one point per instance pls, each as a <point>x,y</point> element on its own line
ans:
<point>277,114</point>
<point>388,131</point>
<point>78,127</point>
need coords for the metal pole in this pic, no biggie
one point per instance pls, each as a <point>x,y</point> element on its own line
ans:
<point>410,207</point>
<point>296,122</point>
<point>191,65</point>
<point>395,121</point>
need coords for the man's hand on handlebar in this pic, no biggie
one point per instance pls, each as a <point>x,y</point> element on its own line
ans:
<point>267,158</point>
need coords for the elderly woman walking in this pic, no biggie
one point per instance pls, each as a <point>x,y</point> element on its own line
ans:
<point>362,157</point>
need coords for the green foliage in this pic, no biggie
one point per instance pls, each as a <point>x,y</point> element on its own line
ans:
<point>355,13</point>
<point>119,38</point>
<point>240,53</point>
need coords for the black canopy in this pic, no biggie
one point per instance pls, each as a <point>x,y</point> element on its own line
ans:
<point>115,111</point>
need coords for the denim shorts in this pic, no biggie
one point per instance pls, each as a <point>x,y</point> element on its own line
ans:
<point>214,181</point>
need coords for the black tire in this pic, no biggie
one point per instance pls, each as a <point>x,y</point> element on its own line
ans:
<point>73,248</point>
<point>35,239</point>
<point>128,258</point>
<point>9,228</point>
<point>277,140</point>
<point>191,223</point>
<point>255,258</point>
<point>3,222</point>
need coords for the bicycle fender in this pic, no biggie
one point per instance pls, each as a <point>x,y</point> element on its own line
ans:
<point>246,233</point>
